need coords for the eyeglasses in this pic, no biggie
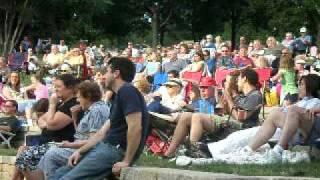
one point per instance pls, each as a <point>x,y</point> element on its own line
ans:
<point>224,51</point>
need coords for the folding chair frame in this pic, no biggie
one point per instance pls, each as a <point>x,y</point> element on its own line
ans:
<point>7,140</point>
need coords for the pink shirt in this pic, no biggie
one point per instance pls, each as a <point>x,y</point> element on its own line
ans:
<point>242,61</point>
<point>41,92</point>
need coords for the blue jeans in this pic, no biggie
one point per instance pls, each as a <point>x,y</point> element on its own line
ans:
<point>96,164</point>
<point>157,107</point>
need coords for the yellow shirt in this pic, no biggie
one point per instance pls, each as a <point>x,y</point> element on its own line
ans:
<point>54,59</point>
<point>75,60</point>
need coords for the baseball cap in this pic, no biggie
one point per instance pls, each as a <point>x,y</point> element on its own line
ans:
<point>206,82</point>
<point>303,29</point>
<point>173,82</point>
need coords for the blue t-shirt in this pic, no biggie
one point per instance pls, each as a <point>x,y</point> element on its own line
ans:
<point>205,106</point>
<point>127,100</point>
<point>211,63</point>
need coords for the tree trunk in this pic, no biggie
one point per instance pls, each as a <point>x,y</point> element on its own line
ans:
<point>318,33</point>
<point>161,37</point>
<point>155,27</point>
<point>233,29</point>
<point>14,19</point>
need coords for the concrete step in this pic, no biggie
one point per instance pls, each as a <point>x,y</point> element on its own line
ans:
<point>147,173</point>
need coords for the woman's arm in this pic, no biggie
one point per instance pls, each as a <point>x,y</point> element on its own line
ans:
<point>6,93</point>
<point>197,67</point>
<point>42,121</point>
<point>277,76</point>
<point>56,120</point>
<point>30,87</point>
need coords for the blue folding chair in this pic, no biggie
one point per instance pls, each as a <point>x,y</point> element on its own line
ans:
<point>159,79</point>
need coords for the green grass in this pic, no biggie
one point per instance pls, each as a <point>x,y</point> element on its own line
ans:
<point>301,169</point>
<point>8,152</point>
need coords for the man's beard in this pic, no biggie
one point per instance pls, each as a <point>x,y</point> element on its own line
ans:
<point>109,84</point>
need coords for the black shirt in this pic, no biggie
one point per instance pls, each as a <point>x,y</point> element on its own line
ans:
<point>65,133</point>
<point>10,121</point>
<point>127,100</point>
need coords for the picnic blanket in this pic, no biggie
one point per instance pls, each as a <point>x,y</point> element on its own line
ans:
<point>230,151</point>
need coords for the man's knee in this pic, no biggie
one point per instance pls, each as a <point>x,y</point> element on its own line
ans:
<point>51,153</point>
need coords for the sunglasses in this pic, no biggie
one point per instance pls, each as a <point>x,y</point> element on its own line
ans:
<point>170,86</point>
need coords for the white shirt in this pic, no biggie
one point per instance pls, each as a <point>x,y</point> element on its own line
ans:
<point>309,103</point>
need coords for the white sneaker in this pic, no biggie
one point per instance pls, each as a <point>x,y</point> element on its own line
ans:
<point>246,151</point>
<point>273,157</point>
<point>183,161</point>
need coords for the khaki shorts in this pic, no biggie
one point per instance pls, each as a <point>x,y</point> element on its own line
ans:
<point>222,122</point>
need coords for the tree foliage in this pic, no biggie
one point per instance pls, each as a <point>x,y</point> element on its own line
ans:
<point>116,20</point>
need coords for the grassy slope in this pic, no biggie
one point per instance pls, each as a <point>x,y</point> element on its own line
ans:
<point>304,169</point>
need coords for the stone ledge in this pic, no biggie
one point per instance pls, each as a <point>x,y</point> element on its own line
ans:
<point>7,160</point>
<point>146,173</point>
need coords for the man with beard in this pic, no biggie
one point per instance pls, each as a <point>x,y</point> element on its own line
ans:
<point>121,140</point>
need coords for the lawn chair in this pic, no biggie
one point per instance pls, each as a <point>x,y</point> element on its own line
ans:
<point>7,137</point>
<point>163,122</point>
<point>17,61</point>
<point>191,78</point>
<point>159,79</point>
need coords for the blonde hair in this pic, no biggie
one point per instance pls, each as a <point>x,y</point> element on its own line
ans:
<point>272,40</point>
<point>286,63</point>
<point>143,85</point>
<point>261,62</point>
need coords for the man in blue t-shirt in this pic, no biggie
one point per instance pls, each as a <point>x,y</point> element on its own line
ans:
<point>121,140</point>
<point>302,43</point>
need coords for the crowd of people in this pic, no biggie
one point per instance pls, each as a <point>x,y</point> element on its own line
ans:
<point>96,127</point>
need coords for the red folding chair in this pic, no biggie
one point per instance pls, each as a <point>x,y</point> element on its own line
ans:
<point>221,75</point>
<point>192,78</point>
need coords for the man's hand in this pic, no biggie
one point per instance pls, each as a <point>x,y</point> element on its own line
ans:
<point>74,158</point>
<point>116,169</point>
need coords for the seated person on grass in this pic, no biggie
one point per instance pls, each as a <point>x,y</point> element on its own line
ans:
<point>300,116</point>
<point>204,104</point>
<point>9,121</point>
<point>120,141</point>
<point>56,124</point>
<point>170,102</point>
<point>96,113</point>
<point>200,122</point>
